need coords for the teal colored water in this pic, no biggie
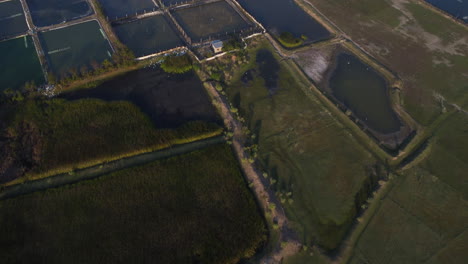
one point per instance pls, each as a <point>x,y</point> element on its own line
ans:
<point>51,12</point>
<point>280,16</point>
<point>19,63</point>
<point>74,47</point>
<point>148,36</point>
<point>365,93</point>
<point>12,21</point>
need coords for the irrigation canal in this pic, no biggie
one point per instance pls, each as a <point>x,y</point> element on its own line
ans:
<point>105,168</point>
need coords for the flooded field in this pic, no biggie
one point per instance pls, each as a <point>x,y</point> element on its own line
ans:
<point>19,63</point>
<point>12,21</point>
<point>210,20</point>
<point>148,36</point>
<point>363,91</point>
<point>115,9</point>
<point>51,12</point>
<point>169,100</point>
<point>280,16</point>
<point>67,49</point>
<point>457,8</point>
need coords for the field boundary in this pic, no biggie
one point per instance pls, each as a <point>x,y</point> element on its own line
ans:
<point>104,168</point>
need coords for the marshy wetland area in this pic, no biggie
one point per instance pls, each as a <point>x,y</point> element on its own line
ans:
<point>321,131</point>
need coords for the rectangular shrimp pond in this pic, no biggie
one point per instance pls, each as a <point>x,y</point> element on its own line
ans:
<point>67,49</point>
<point>148,36</point>
<point>52,12</point>
<point>115,9</point>
<point>210,20</point>
<point>19,63</point>
<point>12,21</point>
<point>280,16</point>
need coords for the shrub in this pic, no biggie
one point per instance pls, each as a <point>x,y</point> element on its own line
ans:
<point>177,64</point>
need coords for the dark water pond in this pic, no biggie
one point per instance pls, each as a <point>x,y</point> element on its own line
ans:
<point>169,100</point>
<point>51,12</point>
<point>280,16</point>
<point>12,21</point>
<point>268,69</point>
<point>364,92</point>
<point>457,8</point>
<point>148,36</point>
<point>120,8</point>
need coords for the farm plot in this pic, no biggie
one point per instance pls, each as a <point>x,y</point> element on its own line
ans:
<point>424,218</point>
<point>213,20</point>
<point>194,208</point>
<point>115,9</point>
<point>51,12</point>
<point>19,63</point>
<point>67,50</point>
<point>319,171</point>
<point>148,36</point>
<point>433,52</point>
<point>12,20</point>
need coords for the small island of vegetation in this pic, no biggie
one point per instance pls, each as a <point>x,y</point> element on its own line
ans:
<point>177,64</point>
<point>288,40</point>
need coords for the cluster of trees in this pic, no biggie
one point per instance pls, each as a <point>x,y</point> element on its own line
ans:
<point>177,64</point>
<point>123,57</point>
<point>232,44</point>
<point>288,40</point>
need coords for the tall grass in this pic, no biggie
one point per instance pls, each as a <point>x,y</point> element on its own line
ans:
<point>74,134</point>
<point>194,208</point>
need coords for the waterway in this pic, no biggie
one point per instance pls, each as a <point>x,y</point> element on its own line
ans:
<point>280,16</point>
<point>457,8</point>
<point>365,92</point>
<point>169,100</point>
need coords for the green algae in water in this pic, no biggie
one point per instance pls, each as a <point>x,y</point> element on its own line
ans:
<point>19,63</point>
<point>365,93</point>
<point>76,46</point>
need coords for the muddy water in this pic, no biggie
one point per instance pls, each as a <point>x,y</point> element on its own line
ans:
<point>457,8</point>
<point>280,16</point>
<point>363,91</point>
<point>169,100</point>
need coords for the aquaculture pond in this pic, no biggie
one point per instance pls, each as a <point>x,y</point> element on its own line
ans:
<point>19,63</point>
<point>51,12</point>
<point>169,100</point>
<point>67,49</point>
<point>12,21</point>
<point>457,8</point>
<point>362,90</point>
<point>210,20</point>
<point>280,16</point>
<point>148,36</point>
<point>115,9</point>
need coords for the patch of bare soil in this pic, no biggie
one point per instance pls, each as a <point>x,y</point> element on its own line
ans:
<point>315,62</point>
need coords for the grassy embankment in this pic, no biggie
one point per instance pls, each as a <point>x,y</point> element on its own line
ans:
<point>194,208</point>
<point>320,173</point>
<point>60,135</point>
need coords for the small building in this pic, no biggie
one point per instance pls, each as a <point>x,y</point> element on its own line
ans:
<point>217,46</point>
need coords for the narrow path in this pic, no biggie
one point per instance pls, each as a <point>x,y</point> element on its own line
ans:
<point>265,195</point>
<point>102,169</point>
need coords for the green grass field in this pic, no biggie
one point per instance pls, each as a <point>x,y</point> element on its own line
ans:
<point>321,173</point>
<point>430,55</point>
<point>194,208</point>
<point>424,218</point>
<point>56,135</point>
